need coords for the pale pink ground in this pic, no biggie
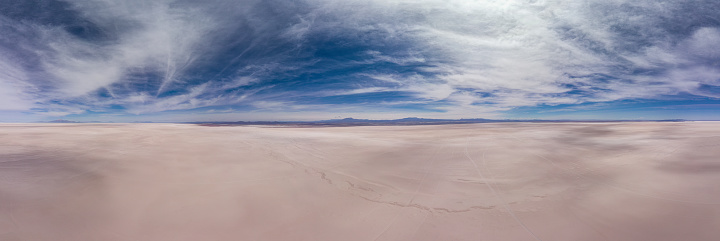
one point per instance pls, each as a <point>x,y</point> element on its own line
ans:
<point>507,181</point>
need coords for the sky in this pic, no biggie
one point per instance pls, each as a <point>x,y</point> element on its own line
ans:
<point>234,60</point>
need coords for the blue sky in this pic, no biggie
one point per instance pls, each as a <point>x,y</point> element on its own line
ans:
<point>224,60</point>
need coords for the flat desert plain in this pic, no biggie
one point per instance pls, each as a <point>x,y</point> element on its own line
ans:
<point>496,181</point>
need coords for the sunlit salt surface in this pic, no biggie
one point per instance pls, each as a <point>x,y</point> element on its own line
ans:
<point>501,181</point>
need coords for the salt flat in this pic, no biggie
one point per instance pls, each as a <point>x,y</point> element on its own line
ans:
<point>497,181</point>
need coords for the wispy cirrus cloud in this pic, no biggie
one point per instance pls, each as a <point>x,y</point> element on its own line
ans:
<point>458,57</point>
<point>15,92</point>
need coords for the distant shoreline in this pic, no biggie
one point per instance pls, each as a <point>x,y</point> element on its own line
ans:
<point>364,122</point>
<point>404,122</point>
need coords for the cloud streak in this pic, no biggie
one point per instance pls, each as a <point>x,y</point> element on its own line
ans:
<point>462,58</point>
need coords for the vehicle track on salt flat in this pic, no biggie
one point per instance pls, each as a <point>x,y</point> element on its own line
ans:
<point>617,187</point>
<point>492,176</point>
<point>497,195</point>
<point>417,190</point>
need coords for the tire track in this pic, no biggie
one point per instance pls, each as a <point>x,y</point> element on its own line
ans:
<point>579,175</point>
<point>492,189</point>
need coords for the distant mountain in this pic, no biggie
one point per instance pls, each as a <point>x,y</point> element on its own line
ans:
<point>367,122</point>
<point>71,121</point>
<point>345,120</point>
<point>403,121</point>
<point>62,121</point>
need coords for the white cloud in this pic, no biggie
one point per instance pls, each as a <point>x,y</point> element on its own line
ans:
<point>524,51</point>
<point>477,56</point>
<point>13,87</point>
<point>161,38</point>
<point>157,38</point>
